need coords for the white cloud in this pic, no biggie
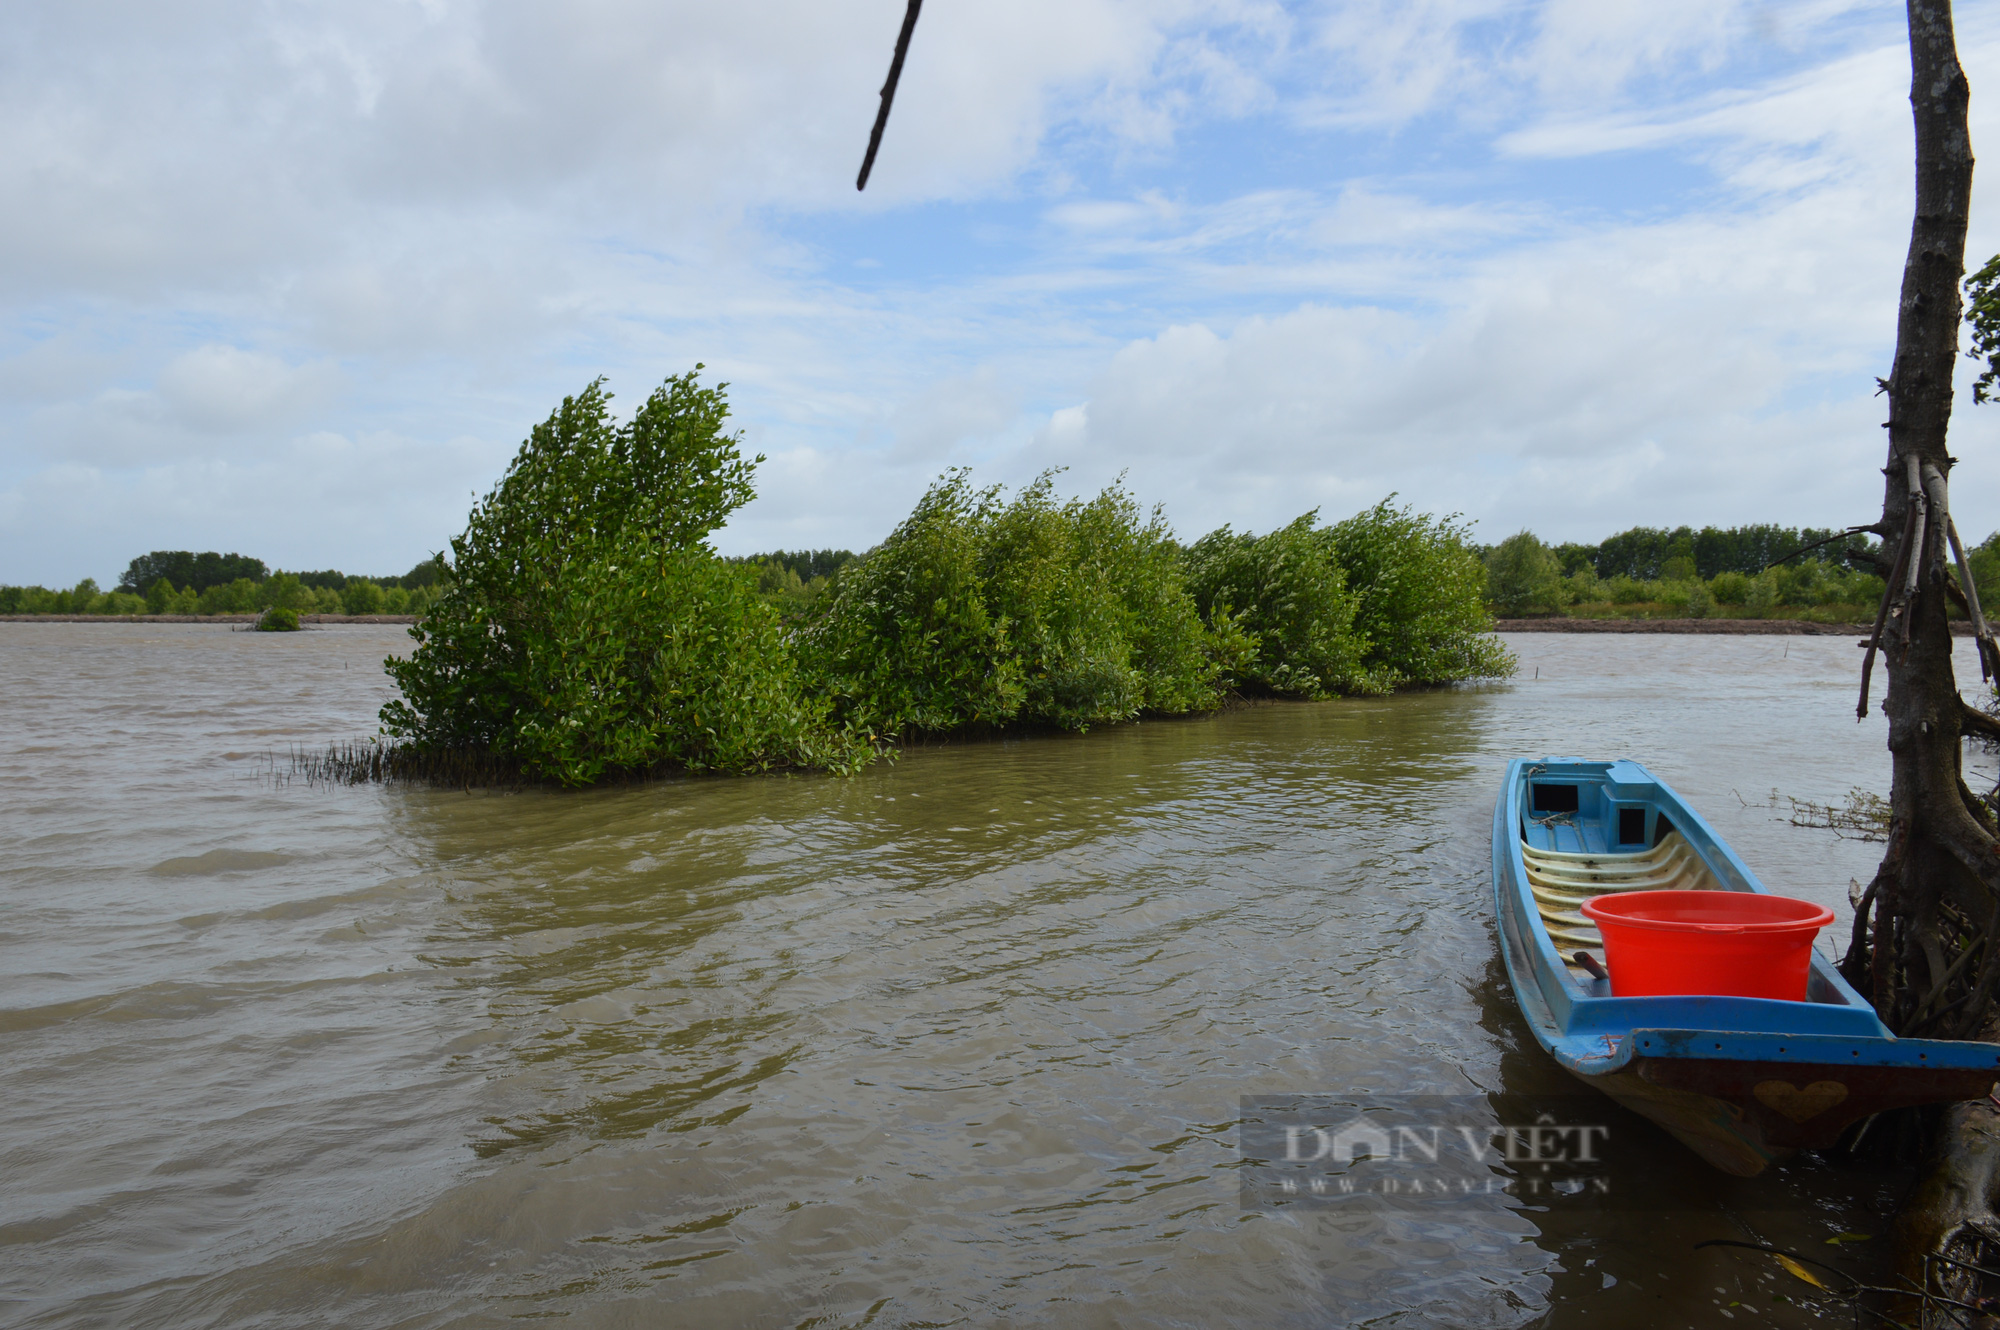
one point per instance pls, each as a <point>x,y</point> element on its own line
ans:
<point>1579,265</point>
<point>227,389</point>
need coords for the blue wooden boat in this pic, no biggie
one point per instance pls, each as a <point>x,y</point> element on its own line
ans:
<point>1744,1082</point>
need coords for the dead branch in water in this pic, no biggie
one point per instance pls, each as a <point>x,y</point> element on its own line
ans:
<point>1865,816</point>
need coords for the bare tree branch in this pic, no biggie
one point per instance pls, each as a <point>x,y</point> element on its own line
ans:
<point>889,92</point>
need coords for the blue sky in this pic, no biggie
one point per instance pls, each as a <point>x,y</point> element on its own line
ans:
<point>295,280</point>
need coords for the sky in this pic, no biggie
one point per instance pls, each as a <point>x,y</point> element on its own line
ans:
<point>295,280</point>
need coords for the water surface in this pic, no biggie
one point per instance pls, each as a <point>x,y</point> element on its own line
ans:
<point>958,1041</point>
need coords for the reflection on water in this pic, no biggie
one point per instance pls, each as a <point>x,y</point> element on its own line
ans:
<point>958,1041</point>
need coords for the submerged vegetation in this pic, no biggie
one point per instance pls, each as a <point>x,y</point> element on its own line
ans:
<point>586,630</point>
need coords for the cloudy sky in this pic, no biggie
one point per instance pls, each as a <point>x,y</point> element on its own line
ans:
<point>294,280</point>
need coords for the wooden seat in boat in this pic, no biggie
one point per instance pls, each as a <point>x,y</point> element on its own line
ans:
<point>1562,880</point>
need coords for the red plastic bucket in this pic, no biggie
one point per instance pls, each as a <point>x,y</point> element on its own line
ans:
<point>1718,943</point>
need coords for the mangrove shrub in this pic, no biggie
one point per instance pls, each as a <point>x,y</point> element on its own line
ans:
<point>1524,576</point>
<point>587,629</point>
<point>1285,591</point>
<point>1419,589</point>
<point>978,612</point>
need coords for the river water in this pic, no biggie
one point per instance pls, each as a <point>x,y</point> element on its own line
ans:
<point>958,1041</point>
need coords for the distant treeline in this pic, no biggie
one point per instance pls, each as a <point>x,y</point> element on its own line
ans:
<point>182,582</point>
<point>1750,572</point>
<point>803,564</point>
<point>183,569</point>
<point>1649,554</point>
<point>794,579</point>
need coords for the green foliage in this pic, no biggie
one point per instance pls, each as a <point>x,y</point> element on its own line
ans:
<point>1065,623</point>
<point>1523,576</point>
<point>361,596</point>
<point>284,591</point>
<point>979,612</point>
<point>429,573</point>
<point>1678,568</point>
<point>906,642</point>
<point>1180,661</point>
<point>806,565</point>
<point>1819,588</point>
<point>1984,561</point>
<point>242,596</point>
<point>310,593</point>
<point>781,587</point>
<point>1982,317</point>
<point>1576,558</point>
<point>1286,592</point>
<point>1101,617</point>
<point>1730,588</point>
<point>1762,593</point>
<point>1643,553</point>
<point>181,568</point>
<point>1420,592</point>
<point>278,619</point>
<point>586,629</point>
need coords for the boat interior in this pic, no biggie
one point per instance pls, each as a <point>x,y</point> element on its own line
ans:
<point>1562,881</point>
<point>1584,837</point>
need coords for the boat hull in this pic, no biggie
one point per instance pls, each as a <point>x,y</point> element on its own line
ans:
<point>1743,1082</point>
<point>1744,1116</point>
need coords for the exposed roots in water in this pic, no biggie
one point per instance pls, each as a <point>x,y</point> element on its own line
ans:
<point>1948,1238</point>
<point>371,761</point>
<point>379,762</point>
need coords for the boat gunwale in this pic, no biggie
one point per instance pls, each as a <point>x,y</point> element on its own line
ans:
<point>1566,1011</point>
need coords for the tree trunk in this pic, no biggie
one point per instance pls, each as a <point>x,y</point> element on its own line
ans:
<point>1934,893</point>
<point>1926,944</point>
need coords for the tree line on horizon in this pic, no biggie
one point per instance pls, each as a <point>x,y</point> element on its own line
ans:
<point>184,582</point>
<point>1648,554</point>
<point>1756,570</point>
<point>1750,572</point>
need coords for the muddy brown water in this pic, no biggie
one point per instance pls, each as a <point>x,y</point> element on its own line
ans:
<point>955,1042</point>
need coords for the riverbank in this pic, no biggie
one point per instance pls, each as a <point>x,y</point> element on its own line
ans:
<point>1711,627</point>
